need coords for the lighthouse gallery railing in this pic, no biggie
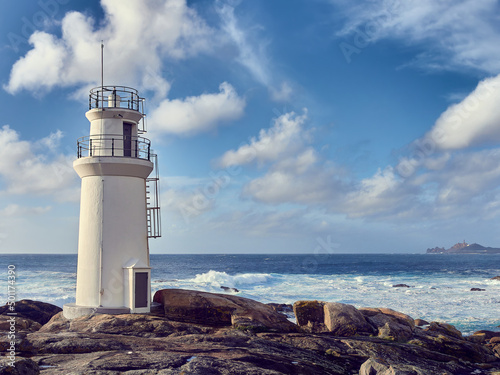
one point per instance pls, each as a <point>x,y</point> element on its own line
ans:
<point>116,96</point>
<point>114,145</point>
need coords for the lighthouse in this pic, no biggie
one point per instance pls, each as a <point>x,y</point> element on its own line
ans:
<point>119,206</point>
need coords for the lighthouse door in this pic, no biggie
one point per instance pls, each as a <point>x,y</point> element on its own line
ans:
<point>127,139</point>
<point>141,289</point>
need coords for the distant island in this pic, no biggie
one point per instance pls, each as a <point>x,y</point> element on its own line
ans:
<point>464,248</point>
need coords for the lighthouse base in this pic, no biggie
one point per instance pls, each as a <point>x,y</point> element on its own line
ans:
<point>72,310</point>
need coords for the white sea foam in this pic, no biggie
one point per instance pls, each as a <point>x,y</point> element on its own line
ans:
<point>216,278</point>
<point>451,301</point>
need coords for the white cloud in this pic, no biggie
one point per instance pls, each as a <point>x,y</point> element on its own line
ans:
<point>252,54</point>
<point>284,186</point>
<point>197,114</point>
<point>296,173</point>
<point>51,142</point>
<point>137,34</point>
<point>475,121</point>
<point>284,138</point>
<point>444,183</point>
<point>383,194</point>
<point>448,186</point>
<point>281,94</point>
<point>24,171</point>
<point>458,34</point>
<point>41,67</point>
<point>254,59</point>
<point>467,178</point>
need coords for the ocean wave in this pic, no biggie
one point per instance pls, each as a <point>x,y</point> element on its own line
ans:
<point>217,278</point>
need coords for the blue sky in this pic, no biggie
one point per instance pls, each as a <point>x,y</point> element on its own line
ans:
<point>281,126</point>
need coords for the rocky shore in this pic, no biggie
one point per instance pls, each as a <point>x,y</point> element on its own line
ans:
<point>191,332</point>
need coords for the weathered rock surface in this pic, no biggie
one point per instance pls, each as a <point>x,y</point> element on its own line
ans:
<point>310,315</point>
<point>281,307</point>
<point>421,322</point>
<point>446,339</point>
<point>345,320</point>
<point>142,325</point>
<point>22,324</point>
<point>22,366</point>
<point>37,311</point>
<point>221,310</point>
<point>135,344</point>
<point>390,324</point>
<point>376,366</point>
<point>335,318</point>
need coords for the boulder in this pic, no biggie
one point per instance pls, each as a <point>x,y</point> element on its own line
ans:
<point>495,340</point>
<point>281,307</point>
<point>22,366</point>
<point>228,289</point>
<point>477,290</point>
<point>495,278</point>
<point>496,349</point>
<point>40,312</point>
<point>214,309</point>
<point>389,323</point>
<point>445,329</point>
<point>401,286</point>
<point>376,366</point>
<point>345,320</point>
<point>336,318</point>
<point>421,322</point>
<point>310,315</point>
<point>488,335</point>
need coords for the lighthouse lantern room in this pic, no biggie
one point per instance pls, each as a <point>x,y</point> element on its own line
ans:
<point>119,207</point>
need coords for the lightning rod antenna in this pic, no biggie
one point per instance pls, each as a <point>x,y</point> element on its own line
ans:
<point>102,73</point>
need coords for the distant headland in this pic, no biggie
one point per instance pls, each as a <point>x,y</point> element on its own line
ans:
<point>465,248</point>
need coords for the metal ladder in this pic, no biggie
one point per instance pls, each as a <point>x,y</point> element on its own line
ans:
<point>153,215</point>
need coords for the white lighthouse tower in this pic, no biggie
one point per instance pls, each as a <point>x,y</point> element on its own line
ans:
<point>119,207</point>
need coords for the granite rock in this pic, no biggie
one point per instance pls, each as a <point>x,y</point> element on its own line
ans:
<point>134,344</point>
<point>215,309</point>
<point>40,312</point>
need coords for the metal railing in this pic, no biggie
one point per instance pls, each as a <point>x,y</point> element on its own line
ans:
<point>116,97</point>
<point>114,145</point>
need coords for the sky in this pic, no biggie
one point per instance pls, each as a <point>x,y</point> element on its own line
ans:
<point>284,126</point>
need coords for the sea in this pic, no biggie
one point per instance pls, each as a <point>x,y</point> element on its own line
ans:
<point>439,284</point>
